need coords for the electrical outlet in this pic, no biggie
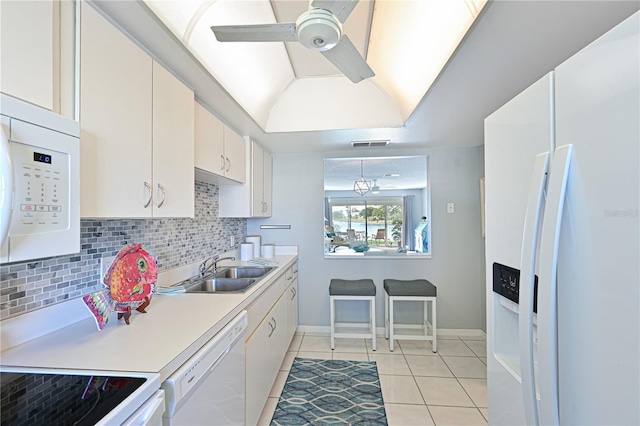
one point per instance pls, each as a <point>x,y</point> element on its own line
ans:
<point>451,208</point>
<point>232,241</point>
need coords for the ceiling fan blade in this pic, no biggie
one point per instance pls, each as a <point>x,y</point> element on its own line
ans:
<point>267,32</point>
<point>347,59</point>
<point>340,8</point>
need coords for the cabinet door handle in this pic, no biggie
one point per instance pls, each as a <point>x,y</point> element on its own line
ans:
<point>228,164</point>
<point>272,328</point>
<point>221,162</point>
<point>164,195</point>
<point>293,293</point>
<point>146,185</point>
<point>275,324</point>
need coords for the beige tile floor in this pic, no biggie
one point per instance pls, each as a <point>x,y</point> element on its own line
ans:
<point>418,386</point>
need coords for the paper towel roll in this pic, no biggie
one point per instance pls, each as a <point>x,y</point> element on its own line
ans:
<point>255,239</point>
<point>246,251</point>
<point>268,250</point>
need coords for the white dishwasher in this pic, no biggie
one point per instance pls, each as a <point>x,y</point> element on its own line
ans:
<point>209,387</point>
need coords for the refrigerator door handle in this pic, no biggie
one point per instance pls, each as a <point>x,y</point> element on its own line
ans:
<point>531,227</point>
<point>547,287</point>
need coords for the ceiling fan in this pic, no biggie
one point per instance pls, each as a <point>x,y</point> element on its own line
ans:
<point>319,28</point>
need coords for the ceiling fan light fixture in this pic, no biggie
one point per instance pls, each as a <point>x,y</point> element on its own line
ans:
<point>318,29</point>
<point>375,189</point>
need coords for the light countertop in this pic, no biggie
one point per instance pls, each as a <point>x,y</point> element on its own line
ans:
<point>161,340</point>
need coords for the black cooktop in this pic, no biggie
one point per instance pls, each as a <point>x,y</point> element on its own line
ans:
<point>61,399</point>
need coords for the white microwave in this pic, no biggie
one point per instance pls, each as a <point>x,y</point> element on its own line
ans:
<point>39,182</point>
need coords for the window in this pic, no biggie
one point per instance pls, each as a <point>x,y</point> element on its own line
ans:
<point>387,221</point>
<point>375,221</point>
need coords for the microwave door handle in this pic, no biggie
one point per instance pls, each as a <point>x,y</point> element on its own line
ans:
<point>548,284</point>
<point>6,186</point>
<point>531,228</point>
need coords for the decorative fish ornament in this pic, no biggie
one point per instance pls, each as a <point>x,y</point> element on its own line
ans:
<point>130,283</point>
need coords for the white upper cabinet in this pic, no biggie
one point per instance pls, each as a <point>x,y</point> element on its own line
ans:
<point>173,145</point>
<point>115,121</point>
<point>254,198</point>
<point>261,182</point>
<point>37,45</point>
<point>235,154</point>
<point>219,150</point>
<point>209,141</point>
<point>136,122</point>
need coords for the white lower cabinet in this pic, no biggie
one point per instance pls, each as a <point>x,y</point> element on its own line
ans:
<point>292,309</point>
<point>291,294</point>
<point>273,319</point>
<point>265,352</point>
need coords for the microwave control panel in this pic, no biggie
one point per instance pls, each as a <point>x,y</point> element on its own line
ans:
<point>41,200</point>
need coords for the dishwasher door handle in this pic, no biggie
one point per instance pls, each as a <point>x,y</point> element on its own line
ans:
<point>220,358</point>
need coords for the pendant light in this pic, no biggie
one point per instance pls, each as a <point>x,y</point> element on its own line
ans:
<point>361,185</point>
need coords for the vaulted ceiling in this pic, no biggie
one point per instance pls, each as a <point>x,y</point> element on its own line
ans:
<point>287,87</point>
<point>510,45</point>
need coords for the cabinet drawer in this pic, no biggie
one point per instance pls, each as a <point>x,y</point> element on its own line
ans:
<point>263,305</point>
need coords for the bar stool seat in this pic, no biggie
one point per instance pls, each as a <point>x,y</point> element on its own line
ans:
<point>363,289</point>
<point>404,291</point>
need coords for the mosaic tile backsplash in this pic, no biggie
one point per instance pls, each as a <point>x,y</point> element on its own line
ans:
<point>27,286</point>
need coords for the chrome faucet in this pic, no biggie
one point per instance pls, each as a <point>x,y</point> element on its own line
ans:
<point>214,264</point>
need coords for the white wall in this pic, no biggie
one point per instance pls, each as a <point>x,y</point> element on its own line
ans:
<point>456,267</point>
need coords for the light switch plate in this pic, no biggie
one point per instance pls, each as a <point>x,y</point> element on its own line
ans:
<point>451,208</point>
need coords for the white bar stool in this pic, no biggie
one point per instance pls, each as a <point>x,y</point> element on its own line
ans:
<point>411,290</point>
<point>363,289</point>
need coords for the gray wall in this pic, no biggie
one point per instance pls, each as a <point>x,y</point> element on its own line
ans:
<point>27,286</point>
<point>456,267</point>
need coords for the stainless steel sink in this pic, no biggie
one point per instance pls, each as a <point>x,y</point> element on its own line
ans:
<point>229,279</point>
<point>243,271</point>
<point>220,285</point>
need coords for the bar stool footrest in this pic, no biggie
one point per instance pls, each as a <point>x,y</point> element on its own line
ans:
<point>353,290</point>
<point>410,291</point>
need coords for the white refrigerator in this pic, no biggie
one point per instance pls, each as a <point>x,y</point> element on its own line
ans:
<point>562,182</point>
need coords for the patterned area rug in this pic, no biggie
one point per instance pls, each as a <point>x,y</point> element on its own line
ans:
<point>330,392</point>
